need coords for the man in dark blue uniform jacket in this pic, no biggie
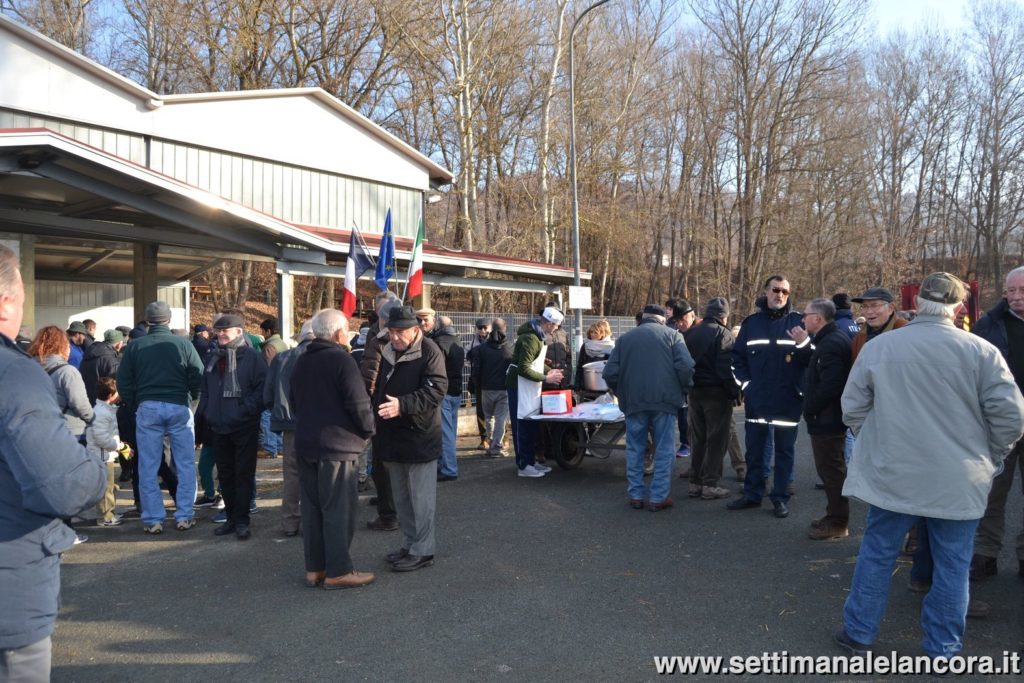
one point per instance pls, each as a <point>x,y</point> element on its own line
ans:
<point>769,365</point>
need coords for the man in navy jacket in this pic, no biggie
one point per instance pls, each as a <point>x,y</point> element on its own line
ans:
<point>45,475</point>
<point>768,361</point>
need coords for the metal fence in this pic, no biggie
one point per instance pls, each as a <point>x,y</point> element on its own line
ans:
<point>465,326</point>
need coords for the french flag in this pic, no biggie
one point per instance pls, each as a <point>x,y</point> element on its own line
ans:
<point>357,263</point>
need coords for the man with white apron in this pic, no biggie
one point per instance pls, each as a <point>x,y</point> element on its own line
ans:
<point>523,382</point>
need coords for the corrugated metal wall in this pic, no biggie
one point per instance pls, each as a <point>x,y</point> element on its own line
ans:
<point>293,194</point>
<point>124,145</point>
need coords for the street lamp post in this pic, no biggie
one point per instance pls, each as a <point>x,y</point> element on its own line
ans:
<point>578,317</point>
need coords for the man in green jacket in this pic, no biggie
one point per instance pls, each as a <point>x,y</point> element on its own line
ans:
<point>159,374</point>
<point>523,382</point>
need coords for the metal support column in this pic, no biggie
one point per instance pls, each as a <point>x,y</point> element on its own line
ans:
<point>144,278</point>
<point>286,304</point>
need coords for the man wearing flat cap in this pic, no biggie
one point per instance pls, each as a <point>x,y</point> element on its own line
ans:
<point>158,376</point>
<point>649,371</point>
<point>231,404</point>
<point>407,405</point>
<point>935,412</point>
<point>101,360</point>
<point>524,382</point>
<point>879,311</point>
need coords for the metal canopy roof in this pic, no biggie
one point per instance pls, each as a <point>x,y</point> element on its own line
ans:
<point>90,207</point>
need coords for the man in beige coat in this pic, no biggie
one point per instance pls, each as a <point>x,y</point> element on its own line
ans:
<point>935,411</point>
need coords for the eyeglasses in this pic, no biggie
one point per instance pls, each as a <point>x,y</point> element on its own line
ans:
<point>876,305</point>
<point>422,320</point>
<point>780,290</point>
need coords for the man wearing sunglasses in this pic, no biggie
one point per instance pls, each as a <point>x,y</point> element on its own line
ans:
<point>768,361</point>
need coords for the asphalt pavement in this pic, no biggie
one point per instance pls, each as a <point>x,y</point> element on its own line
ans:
<point>547,579</point>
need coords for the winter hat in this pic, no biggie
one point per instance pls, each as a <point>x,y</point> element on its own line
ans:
<point>717,308</point>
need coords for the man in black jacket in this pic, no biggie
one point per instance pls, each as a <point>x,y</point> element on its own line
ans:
<point>101,360</point>
<point>442,333</point>
<point>490,366</point>
<point>333,420</point>
<point>824,381</point>
<point>711,399</point>
<point>407,400</point>
<point>231,403</point>
<point>1004,327</point>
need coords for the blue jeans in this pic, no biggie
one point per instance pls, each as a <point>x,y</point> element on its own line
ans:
<point>637,427</point>
<point>757,436</point>
<point>524,433</point>
<point>153,420</point>
<point>272,442</point>
<point>448,465</point>
<point>848,449</point>
<point>944,610</point>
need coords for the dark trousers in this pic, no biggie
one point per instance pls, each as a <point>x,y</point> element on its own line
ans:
<point>757,435</point>
<point>385,496</point>
<point>525,433</point>
<point>236,470</point>
<point>329,508</point>
<point>684,429</point>
<point>481,420</point>
<point>710,414</point>
<point>831,466</point>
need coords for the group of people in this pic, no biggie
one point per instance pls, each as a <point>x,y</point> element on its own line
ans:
<point>919,419</point>
<point>921,424</point>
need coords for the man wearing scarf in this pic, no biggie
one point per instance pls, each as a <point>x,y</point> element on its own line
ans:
<point>231,403</point>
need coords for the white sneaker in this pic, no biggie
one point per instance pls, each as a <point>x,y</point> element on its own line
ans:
<point>530,471</point>
<point>541,468</point>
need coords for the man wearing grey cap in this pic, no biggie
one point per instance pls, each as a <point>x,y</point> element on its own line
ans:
<point>159,375</point>
<point>650,371</point>
<point>935,411</point>
<point>711,399</point>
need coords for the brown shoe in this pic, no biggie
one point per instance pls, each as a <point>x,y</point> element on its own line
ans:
<point>350,580</point>
<point>314,579</point>
<point>485,444</point>
<point>827,530</point>
<point>663,505</point>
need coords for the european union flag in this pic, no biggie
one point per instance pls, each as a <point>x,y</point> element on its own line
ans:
<point>386,258</point>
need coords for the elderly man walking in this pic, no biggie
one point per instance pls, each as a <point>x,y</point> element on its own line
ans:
<point>333,420</point>
<point>935,412</point>
<point>159,375</point>
<point>1003,326</point>
<point>650,370</point>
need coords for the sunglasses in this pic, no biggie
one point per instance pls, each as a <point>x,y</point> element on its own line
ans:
<point>780,290</point>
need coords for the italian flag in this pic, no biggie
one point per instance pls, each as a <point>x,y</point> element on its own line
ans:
<point>414,283</point>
